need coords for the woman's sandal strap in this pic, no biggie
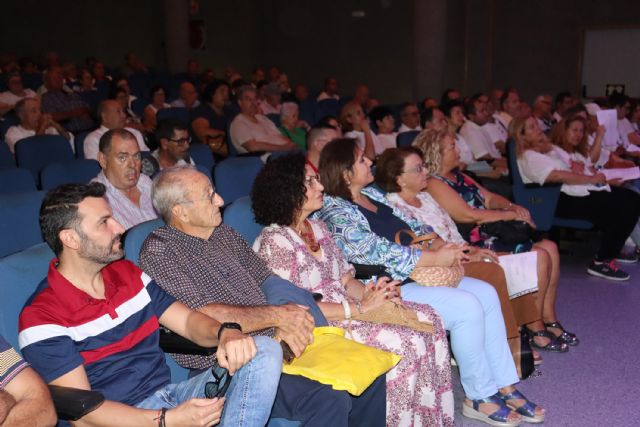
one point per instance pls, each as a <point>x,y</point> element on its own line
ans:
<point>528,409</point>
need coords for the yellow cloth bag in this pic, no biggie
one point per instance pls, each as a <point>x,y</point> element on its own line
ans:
<point>341,363</point>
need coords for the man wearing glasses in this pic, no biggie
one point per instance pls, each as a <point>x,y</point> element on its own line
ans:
<point>173,147</point>
<point>112,116</point>
<point>128,192</point>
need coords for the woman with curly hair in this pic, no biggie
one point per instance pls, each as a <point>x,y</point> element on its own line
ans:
<point>364,225</point>
<point>301,250</point>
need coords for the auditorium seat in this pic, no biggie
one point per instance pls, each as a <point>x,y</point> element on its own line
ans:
<point>239,216</point>
<point>6,158</point>
<point>234,177</point>
<point>19,221</point>
<point>35,152</point>
<point>405,139</point>
<point>202,156</point>
<point>73,172</point>
<point>176,113</point>
<point>16,180</point>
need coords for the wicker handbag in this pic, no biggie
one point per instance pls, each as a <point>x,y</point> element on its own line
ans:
<point>431,276</point>
<point>395,314</point>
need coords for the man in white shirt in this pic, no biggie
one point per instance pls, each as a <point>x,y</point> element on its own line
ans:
<point>111,117</point>
<point>330,90</point>
<point>410,117</point>
<point>251,131</point>
<point>188,97</point>
<point>509,104</point>
<point>16,91</point>
<point>479,141</point>
<point>629,139</point>
<point>33,122</point>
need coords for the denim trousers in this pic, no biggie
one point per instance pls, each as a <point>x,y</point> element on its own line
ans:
<point>471,313</point>
<point>250,395</point>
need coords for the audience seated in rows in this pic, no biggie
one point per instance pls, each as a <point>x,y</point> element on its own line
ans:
<point>94,323</point>
<point>209,267</point>
<point>211,119</point>
<point>14,93</point>
<point>284,194</point>
<point>127,190</point>
<point>364,227</point>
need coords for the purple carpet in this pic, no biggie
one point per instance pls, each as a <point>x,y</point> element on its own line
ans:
<point>595,383</point>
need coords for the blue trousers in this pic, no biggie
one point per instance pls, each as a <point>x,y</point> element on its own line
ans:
<point>250,395</point>
<point>471,313</point>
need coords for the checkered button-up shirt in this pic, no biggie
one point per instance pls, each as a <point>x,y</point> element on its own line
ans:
<point>222,269</point>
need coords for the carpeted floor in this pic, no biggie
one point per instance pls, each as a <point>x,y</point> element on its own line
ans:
<point>597,382</point>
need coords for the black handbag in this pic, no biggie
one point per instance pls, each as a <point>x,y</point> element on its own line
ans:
<point>510,232</point>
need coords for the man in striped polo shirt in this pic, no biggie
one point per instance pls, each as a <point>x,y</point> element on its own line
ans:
<point>93,324</point>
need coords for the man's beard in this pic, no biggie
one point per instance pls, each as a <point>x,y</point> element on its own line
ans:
<point>100,254</point>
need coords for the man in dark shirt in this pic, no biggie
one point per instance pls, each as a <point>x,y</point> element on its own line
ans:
<point>210,267</point>
<point>66,108</point>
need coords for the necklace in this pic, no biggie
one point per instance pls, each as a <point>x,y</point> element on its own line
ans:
<point>306,233</point>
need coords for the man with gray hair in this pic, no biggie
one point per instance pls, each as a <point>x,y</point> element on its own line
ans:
<point>128,192</point>
<point>211,268</point>
<point>317,138</point>
<point>33,122</point>
<point>542,111</point>
<point>251,131</point>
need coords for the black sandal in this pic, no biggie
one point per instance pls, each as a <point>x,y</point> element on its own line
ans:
<point>555,345</point>
<point>565,337</point>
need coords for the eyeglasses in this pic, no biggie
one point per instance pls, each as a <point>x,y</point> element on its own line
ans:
<point>221,381</point>
<point>210,198</point>
<point>123,158</point>
<point>309,180</point>
<point>417,169</point>
<point>181,141</point>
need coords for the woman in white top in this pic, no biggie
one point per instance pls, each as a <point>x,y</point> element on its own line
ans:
<point>584,194</point>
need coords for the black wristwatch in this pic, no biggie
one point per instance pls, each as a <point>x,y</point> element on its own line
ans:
<point>228,325</point>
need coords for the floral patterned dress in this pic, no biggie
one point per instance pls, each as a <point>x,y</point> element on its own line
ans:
<point>419,391</point>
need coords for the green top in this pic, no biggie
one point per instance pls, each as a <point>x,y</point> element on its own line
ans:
<point>298,136</point>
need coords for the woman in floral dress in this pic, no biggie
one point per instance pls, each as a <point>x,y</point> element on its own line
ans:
<point>419,391</point>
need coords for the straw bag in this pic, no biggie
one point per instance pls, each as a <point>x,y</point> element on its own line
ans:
<point>431,276</point>
<point>395,314</point>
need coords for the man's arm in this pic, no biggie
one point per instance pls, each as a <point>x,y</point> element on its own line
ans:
<point>32,402</point>
<point>235,349</point>
<point>199,411</point>
<point>253,145</point>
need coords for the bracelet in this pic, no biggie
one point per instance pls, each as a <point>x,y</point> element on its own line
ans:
<point>161,415</point>
<point>347,310</point>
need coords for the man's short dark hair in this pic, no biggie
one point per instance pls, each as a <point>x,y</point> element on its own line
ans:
<point>105,140</point>
<point>379,113</point>
<point>561,97</point>
<point>59,210</point>
<point>167,128</point>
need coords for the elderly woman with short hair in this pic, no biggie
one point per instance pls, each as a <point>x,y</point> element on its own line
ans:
<point>290,125</point>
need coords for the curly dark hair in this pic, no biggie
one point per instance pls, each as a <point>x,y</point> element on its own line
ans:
<point>278,191</point>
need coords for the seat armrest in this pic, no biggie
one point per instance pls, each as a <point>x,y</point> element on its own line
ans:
<point>171,342</point>
<point>74,403</point>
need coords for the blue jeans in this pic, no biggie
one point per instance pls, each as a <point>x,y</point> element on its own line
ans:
<point>250,395</point>
<point>471,313</point>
